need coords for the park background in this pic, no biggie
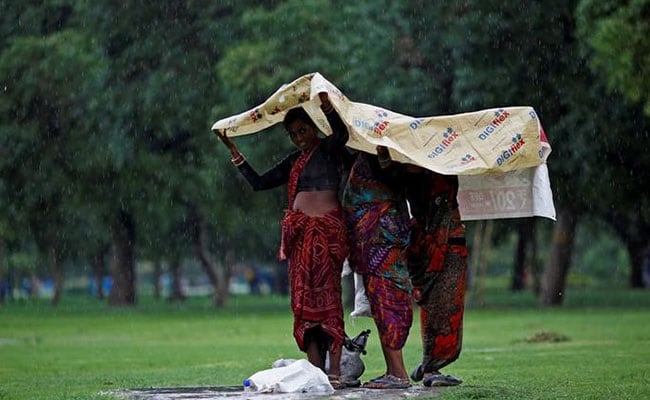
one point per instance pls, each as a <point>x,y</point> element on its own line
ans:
<point>116,199</point>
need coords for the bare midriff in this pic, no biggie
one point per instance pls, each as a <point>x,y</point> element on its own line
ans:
<point>316,203</point>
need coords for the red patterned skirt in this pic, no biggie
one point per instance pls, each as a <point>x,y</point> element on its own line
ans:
<point>316,247</point>
<point>438,263</point>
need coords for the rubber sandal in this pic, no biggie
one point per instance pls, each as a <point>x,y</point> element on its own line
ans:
<point>418,373</point>
<point>387,382</point>
<point>354,383</point>
<point>440,380</point>
<point>378,378</point>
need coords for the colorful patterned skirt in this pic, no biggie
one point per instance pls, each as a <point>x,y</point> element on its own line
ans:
<point>379,240</point>
<point>438,264</point>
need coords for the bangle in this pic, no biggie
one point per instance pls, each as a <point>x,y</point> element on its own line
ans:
<point>238,160</point>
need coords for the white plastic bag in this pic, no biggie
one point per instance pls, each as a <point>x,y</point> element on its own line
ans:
<point>346,270</point>
<point>283,362</point>
<point>361,304</point>
<point>297,377</point>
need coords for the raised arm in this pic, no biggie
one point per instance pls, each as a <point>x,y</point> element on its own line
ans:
<point>236,157</point>
<point>340,134</point>
<point>274,177</point>
<point>383,165</point>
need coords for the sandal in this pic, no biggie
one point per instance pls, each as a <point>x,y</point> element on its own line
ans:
<point>387,382</point>
<point>438,379</point>
<point>418,373</point>
<point>378,378</point>
<point>336,382</point>
<point>350,383</point>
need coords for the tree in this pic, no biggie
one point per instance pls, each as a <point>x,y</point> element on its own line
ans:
<point>623,180</point>
<point>155,129</point>
<point>614,37</point>
<point>617,34</point>
<point>39,114</point>
<point>354,45</point>
<point>508,55</point>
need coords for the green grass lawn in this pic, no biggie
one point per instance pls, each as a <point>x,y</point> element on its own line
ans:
<point>597,346</point>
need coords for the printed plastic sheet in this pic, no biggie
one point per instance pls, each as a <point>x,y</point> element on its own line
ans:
<point>499,154</point>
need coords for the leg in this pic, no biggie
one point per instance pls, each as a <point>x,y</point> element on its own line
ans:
<point>396,376</point>
<point>314,347</point>
<point>334,373</point>
<point>441,315</point>
<point>392,312</point>
<point>394,362</point>
<point>335,361</point>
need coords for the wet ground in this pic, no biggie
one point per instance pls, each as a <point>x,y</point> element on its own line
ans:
<point>236,393</point>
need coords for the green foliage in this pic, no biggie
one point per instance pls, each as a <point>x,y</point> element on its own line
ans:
<point>607,262</point>
<point>32,18</point>
<point>106,106</point>
<point>528,55</point>
<point>363,47</point>
<point>599,257</point>
<point>616,33</point>
<point>154,136</point>
<point>348,43</point>
<point>40,120</point>
<point>22,261</point>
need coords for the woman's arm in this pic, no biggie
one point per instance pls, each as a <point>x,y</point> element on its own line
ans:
<point>382,165</point>
<point>274,177</point>
<point>340,134</point>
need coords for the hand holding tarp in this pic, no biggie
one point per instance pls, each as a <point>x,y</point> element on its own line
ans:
<point>383,156</point>
<point>237,157</point>
<point>325,103</point>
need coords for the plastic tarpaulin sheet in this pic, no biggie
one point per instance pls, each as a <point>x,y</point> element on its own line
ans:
<point>498,154</point>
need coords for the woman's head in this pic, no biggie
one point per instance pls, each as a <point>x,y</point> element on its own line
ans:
<point>301,128</point>
<point>297,114</point>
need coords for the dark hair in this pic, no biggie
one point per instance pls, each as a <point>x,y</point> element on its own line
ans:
<point>297,114</point>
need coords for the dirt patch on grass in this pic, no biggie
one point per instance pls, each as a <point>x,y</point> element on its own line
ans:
<point>552,337</point>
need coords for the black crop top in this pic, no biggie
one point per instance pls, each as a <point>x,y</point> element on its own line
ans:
<point>322,172</point>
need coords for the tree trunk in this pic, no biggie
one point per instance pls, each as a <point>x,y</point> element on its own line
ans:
<point>176,292</point>
<point>218,278</point>
<point>479,227</point>
<point>480,252</point>
<point>526,235</point>
<point>559,259</point>
<point>99,270</point>
<point>123,291</point>
<point>635,236</point>
<point>157,274</point>
<point>639,252</point>
<point>57,271</point>
<point>225,272</point>
<point>35,284</point>
<point>535,270</point>
<point>282,278</point>
<point>3,273</point>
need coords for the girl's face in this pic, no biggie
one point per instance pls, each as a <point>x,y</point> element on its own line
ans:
<point>302,134</point>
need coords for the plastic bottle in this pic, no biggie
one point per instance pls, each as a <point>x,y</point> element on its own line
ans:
<point>248,386</point>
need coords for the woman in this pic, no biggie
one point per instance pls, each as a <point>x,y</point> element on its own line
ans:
<point>314,236</point>
<point>378,222</point>
<point>438,265</point>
